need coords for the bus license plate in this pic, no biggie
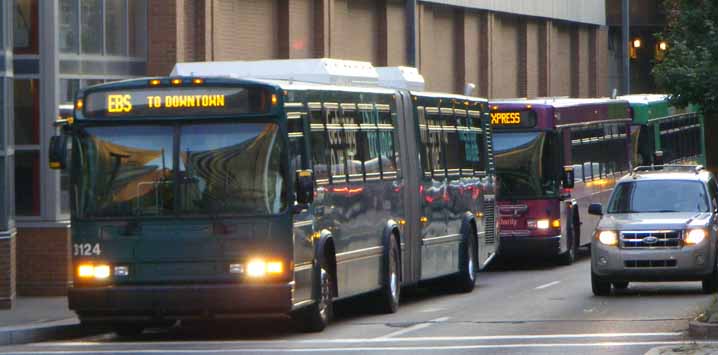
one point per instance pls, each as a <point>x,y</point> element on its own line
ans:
<point>508,222</point>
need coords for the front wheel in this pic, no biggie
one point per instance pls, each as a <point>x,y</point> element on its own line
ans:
<point>465,280</point>
<point>316,317</point>
<point>600,287</point>
<point>710,282</point>
<point>569,256</point>
<point>391,292</point>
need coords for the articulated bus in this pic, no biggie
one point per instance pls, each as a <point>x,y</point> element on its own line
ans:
<point>660,127</point>
<point>553,159</point>
<point>206,196</point>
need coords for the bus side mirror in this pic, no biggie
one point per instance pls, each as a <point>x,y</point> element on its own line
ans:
<point>595,209</point>
<point>304,188</point>
<point>568,177</point>
<point>58,152</point>
<point>658,157</point>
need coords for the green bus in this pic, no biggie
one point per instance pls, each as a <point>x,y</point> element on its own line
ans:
<point>215,197</point>
<point>660,127</point>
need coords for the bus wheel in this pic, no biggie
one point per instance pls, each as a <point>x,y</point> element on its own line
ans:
<point>466,278</point>
<point>316,317</point>
<point>569,256</point>
<point>128,330</point>
<point>391,292</point>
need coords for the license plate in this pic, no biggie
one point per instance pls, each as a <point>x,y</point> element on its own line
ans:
<point>508,222</point>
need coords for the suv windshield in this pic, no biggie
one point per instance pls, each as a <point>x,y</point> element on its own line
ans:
<point>526,164</point>
<point>218,168</point>
<point>659,196</point>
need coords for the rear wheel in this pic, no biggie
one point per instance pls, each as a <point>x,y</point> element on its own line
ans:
<point>620,285</point>
<point>391,292</point>
<point>600,287</point>
<point>465,280</point>
<point>316,317</point>
<point>569,256</point>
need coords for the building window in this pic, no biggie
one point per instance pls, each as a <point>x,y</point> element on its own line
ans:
<point>137,27</point>
<point>25,27</point>
<point>27,116</point>
<point>69,41</point>
<point>116,27</point>
<point>27,183</point>
<point>91,26</point>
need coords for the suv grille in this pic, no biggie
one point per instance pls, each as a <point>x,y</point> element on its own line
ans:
<point>651,239</point>
<point>650,263</point>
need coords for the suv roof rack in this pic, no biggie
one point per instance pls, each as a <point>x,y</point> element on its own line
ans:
<point>668,167</point>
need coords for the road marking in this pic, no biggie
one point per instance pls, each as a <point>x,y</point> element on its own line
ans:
<point>386,338</point>
<point>547,285</point>
<point>429,310</point>
<point>367,349</point>
<point>414,327</point>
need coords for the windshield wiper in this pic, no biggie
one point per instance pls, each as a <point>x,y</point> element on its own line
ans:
<point>666,211</point>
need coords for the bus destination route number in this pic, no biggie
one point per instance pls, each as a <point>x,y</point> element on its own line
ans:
<point>119,103</point>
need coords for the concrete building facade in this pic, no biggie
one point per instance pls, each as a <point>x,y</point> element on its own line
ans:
<point>51,48</point>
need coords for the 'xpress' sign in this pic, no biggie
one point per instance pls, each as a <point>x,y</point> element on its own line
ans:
<point>172,101</point>
<point>513,119</point>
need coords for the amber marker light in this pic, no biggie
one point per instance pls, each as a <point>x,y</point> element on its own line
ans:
<point>556,223</point>
<point>197,81</point>
<point>85,271</point>
<point>274,267</point>
<point>424,219</point>
<point>274,99</point>
<point>176,81</point>
<point>79,104</point>
<point>154,82</point>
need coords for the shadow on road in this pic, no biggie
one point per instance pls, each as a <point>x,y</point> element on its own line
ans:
<point>532,262</point>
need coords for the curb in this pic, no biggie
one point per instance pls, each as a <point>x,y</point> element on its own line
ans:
<point>698,329</point>
<point>45,331</point>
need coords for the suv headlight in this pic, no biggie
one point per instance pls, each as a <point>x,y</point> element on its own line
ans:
<point>607,237</point>
<point>695,236</point>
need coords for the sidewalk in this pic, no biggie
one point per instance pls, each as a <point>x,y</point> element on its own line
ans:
<point>703,328</point>
<point>38,319</point>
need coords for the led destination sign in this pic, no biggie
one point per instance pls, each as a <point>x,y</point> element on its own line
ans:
<point>172,101</point>
<point>525,119</point>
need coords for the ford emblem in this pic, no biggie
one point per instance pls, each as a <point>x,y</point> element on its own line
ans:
<point>650,240</point>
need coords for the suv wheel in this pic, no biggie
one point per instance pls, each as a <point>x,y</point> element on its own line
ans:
<point>620,285</point>
<point>710,283</point>
<point>600,287</point>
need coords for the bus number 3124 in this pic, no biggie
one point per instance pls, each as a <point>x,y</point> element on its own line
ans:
<point>86,249</point>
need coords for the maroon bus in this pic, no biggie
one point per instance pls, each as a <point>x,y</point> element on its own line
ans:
<point>554,157</point>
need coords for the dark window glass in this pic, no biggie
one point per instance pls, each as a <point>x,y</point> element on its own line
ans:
<point>424,141</point>
<point>27,114</point>
<point>436,142</point>
<point>320,151</point>
<point>526,164</point>
<point>116,27</point>
<point>27,183</point>
<point>338,145</point>
<point>91,26</point>
<point>25,34</point>
<point>659,196</point>
<point>368,143</point>
<point>68,37</point>
<point>231,168</point>
<point>68,90</point>
<point>386,144</point>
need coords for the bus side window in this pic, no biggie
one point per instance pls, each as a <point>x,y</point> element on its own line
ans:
<point>319,144</point>
<point>351,136</point>
<point>424,141</point>
<point>436,139</point>
<point>295,128</point>
<point>455,154</point>
<point>337,143</point>
<point>387,147</point>
<point>368,142</point>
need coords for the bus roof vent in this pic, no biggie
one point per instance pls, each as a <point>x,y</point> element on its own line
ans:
<point>407,78</point>
<point>322,71</point>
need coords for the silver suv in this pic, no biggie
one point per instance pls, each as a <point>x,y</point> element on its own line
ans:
<point>660,225</point>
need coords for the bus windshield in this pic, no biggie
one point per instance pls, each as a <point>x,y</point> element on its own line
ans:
<point>524,164</point>
<point>190,169</point>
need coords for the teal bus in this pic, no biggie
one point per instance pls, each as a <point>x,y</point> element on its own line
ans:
<point>200,197</point>
<point>678,134</point>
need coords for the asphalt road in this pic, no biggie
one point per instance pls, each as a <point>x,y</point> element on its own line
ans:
<point>529,308</point>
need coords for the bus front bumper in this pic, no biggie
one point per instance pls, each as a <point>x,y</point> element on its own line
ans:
<point>530,245</point>
<point>117,303</point>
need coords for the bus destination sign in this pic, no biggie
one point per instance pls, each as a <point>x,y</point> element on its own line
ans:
<point>525,119</point>
<point>164,101</point>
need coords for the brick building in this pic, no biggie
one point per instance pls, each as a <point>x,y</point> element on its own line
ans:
<point>509,48</point>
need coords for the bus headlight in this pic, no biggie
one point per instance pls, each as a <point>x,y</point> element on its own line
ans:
<point>608,237</point>
<point>257,268</point>
<point>695,236</point>
<point>96,271</point>
<point>542,224</point>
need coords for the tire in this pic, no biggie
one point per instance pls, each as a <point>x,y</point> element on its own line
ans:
<point>600,287</point>
<point>390,293</point>
<point>620,285</point>
<point>128,330</point>
<point>569,256</point>
<point>465,280</point>
<point>710,283</point>
<point>316,317</point>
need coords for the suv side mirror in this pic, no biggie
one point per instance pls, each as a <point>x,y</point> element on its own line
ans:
<point>568,177</point>
<point>58,152</point>
<point>304,186</point>
<point>595,209</point>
